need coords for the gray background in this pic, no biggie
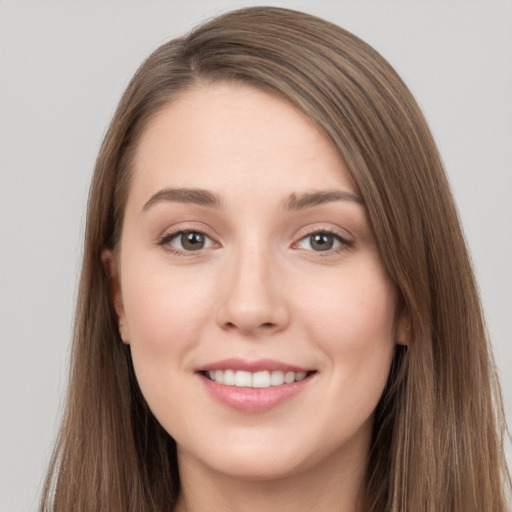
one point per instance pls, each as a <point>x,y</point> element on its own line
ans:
<point>63,67</point>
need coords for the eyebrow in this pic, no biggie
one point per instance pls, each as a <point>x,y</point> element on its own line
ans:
<point>310,199</point>
<point>197,196</point>
<point>209,199</point>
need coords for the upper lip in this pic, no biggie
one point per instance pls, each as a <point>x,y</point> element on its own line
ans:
<point>257,365</point>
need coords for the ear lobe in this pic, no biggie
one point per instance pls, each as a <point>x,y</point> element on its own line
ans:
<point>111,264</point>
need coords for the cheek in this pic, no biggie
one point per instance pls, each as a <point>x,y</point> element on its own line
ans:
<point>352,318</point>
<point>354,326</point>
<point>166,313</point>
<point>163,309</point>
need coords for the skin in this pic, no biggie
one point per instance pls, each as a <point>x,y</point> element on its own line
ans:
<point>258,289</point>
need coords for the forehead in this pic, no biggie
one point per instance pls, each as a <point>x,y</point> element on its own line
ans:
<point>230,136</point>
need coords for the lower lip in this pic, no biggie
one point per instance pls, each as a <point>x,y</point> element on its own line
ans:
<point>253,400</point>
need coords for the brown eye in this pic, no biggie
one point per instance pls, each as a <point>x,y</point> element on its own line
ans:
<point>321,241</point>
<point>187,241</point>
<point>192,241</point>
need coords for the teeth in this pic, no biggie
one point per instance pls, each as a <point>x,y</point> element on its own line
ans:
<point>289,377</point>
<point>277,378</point>
<point>242,379</point>
<point>228,377</point>
<point>263,379</point>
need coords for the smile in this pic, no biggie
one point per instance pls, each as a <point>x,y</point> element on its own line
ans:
<point>254,387</point>
<point>261,379</point>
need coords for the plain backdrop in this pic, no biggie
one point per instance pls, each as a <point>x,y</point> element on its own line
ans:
<point>63,67</point>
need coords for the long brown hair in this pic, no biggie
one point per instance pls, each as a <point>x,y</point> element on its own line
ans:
<point>437,441</point>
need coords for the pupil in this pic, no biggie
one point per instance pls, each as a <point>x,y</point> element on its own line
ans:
<point>192,241</point>
<point>321,242</point>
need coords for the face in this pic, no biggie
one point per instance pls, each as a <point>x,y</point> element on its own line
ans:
<point>249,286</point>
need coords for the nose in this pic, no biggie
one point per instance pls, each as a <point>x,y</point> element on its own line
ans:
<point>253,299</point>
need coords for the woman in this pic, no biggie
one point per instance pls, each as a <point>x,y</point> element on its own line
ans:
<point>276,306</point>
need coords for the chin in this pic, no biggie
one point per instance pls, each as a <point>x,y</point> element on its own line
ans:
<point>268,467</point>
<point>266,456</point>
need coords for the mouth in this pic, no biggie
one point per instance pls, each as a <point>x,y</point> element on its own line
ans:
<point>253,387</point>
<point>259,380</point>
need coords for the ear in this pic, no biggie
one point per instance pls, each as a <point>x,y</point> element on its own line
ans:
<point>111,264</point>
<point>403,330</point>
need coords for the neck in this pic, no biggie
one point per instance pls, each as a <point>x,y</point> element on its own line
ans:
<point>335,485</point>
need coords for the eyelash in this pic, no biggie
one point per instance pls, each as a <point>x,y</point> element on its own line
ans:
<point>345,244</point>
<point>168,237</point>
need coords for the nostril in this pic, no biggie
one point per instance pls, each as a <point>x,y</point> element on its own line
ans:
<point>264,325</point>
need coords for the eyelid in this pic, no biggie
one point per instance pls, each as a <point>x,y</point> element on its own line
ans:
<point>173,232</point>
<point>324,227</point>
<point>346,243</point>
